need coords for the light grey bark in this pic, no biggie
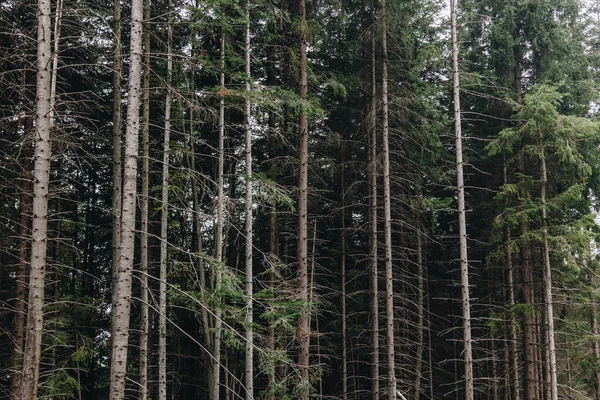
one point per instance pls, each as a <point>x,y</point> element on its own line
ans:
<point>122,298</point>
<point>144,199</point>
<point>219,230</point>
<point>462,225</point>
<point>303,332</point>
<point>249,373</point>
<point>39,230</point>
<point>547,268</point>
<point>164,225</point>
<point>373,242</point>
<point>387,214</point>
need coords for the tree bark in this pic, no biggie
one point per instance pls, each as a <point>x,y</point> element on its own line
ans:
<point>21,273</point>
<point>343,283</point>
<point>144,200</point>
<point>302,246</point>
<point>216,368</point>
<point>462,225</point>
<point>595,345</point>
<point>249,373</point>
<point>122,299</point>
<point>39,230</point>
<point>164,224</point>
<point>420,314</point>
<point>373,236</point>
<point>512,343</point>
<point>547,268</point>
<point>117,167</point>
<point>387,213</point>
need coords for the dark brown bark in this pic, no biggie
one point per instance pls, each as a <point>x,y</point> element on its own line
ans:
<point>373,240</point>
<point>303,333</point>
<point>21,273</point>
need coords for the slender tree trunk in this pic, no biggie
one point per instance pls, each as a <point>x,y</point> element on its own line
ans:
<point>387,211</point>
<point>249,373</point>
<point>39,230</point>
<point>302,246</point>
<point>462,225</point>
<point>122,299</point>
<point>144,200</point>
<point>21,274</point>
<point>373,236</point>
<point>219,233</point>
<point>206,325</point>
<point>595,345</point>
<point>117,167</point>
<point>512,343</point>
<point>343,283</point>
<point>420,314</point>
<point>528,315</point>
<point>164,225</point>
<point>547,268</point>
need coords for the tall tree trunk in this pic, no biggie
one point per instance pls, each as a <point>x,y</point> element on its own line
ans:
<point>164,224</point>
<point>39,230</point>
<point>144,200</point>
<point>387,213</point>
<point>21,273</point>
<point>216,369</point>
<point>343,283</point>
<point>529,341</point>
<point>373,236</point>
<point>547,268</point>
<point>302,246</point>
<point>512,343</point>
<point>249,373</point>
<point>462,225</point>
<point>595,345</point>
<point>122,299</point>
<point>420,314</point>
<point>206,324</point>
<point>117,166</point>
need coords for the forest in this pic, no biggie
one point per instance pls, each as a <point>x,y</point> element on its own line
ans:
<point>299,199</point>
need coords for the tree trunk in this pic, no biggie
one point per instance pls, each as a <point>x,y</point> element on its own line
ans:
<point>547,268</point>
<point>302,246</point>
<point>595,344</point>
<point>420,314</point>
<point>117,167</point>
<point>343,283</point>
<point>512,343</point>
<point>249,373</point>
<point>21,273</point>
<point>387,211</point>
<point>144,200</point>
<point>216,369</point>
<point>122,299</point>
<point>39,230</point>
<point>462,225</point>
<point>373,239</point>
<point>164,225</point>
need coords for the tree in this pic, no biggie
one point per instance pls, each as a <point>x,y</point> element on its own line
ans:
<point>303,333</point>
<point>462,225</point>
<point>39,229</point>
<point>249,359</point>
<point>121,307</point>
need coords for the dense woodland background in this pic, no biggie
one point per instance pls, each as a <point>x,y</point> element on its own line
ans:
<point>217,75</point>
